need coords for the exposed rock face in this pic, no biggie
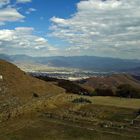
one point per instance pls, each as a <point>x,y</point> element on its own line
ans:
<point>17,90</point>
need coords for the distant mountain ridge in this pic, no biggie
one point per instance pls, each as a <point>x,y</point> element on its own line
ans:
<point>81,62</point>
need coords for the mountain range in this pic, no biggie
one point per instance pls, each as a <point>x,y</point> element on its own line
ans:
<point>92,63</point>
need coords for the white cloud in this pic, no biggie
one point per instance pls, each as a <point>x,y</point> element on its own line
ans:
<point>30,10</point>
<point>23,1</point>
<point>9,15</point>
<point>22,39</point>
<point>99,5</point>
<point>107,28</point>
<point>4,2</point>
<point>9,12</point>
<point>58,20</point>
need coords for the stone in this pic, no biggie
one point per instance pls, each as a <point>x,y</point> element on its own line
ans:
<point>1,77</point>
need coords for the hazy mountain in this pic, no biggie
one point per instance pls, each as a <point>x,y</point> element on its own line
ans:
<point>81,62</point>
<point>5,57</point>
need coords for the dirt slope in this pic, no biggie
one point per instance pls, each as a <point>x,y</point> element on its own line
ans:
<point>111,81</point>
<point>17,88</point>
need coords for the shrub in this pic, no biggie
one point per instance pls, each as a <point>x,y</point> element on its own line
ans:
<point>104,92</point>
<point>35,95</point>
<point>138,112</point>
<point>69,86</point>
<point>72,87</point>
<point>94,93</point>
<point>127,91</point>
<point>81,100</point>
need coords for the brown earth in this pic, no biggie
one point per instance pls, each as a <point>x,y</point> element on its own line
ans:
<point>18,89</point>
<point>34,109</point>
<point>112,81</point>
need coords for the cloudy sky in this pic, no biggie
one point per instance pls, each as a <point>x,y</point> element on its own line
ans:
<point>70,27</point>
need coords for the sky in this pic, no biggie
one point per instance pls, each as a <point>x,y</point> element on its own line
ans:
<point>106,28</point>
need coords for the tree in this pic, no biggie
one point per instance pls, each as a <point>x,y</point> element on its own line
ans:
<point>104,92</point>
<point>128,91</point>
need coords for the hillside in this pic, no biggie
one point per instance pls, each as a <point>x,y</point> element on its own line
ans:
<point>111,81</point>
<point>34,109</point>
<point>18,89</point>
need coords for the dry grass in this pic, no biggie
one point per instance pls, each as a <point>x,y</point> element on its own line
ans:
<point>117,102</point>
<point>23,86</point>
<point>107,101</point>
<point>46,129</point>
<point>33,124</point>
<point>112,81</point>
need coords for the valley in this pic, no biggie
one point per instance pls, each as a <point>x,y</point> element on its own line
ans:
<point>36,106</point>
<point>70,70</point>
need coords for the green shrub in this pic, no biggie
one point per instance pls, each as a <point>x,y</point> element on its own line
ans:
<point>94,93</point>
<point>127,91</point>
<point>81,100</point>
<point>104,92</point>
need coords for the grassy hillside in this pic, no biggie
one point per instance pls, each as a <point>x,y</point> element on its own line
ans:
<point>41,110</point>
<point>19,89</point>
<point>61,119</point>
<point>112,81</point>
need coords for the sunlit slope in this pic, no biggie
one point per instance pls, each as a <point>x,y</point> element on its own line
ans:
<point>112,81</point>
<point>17,89</point>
